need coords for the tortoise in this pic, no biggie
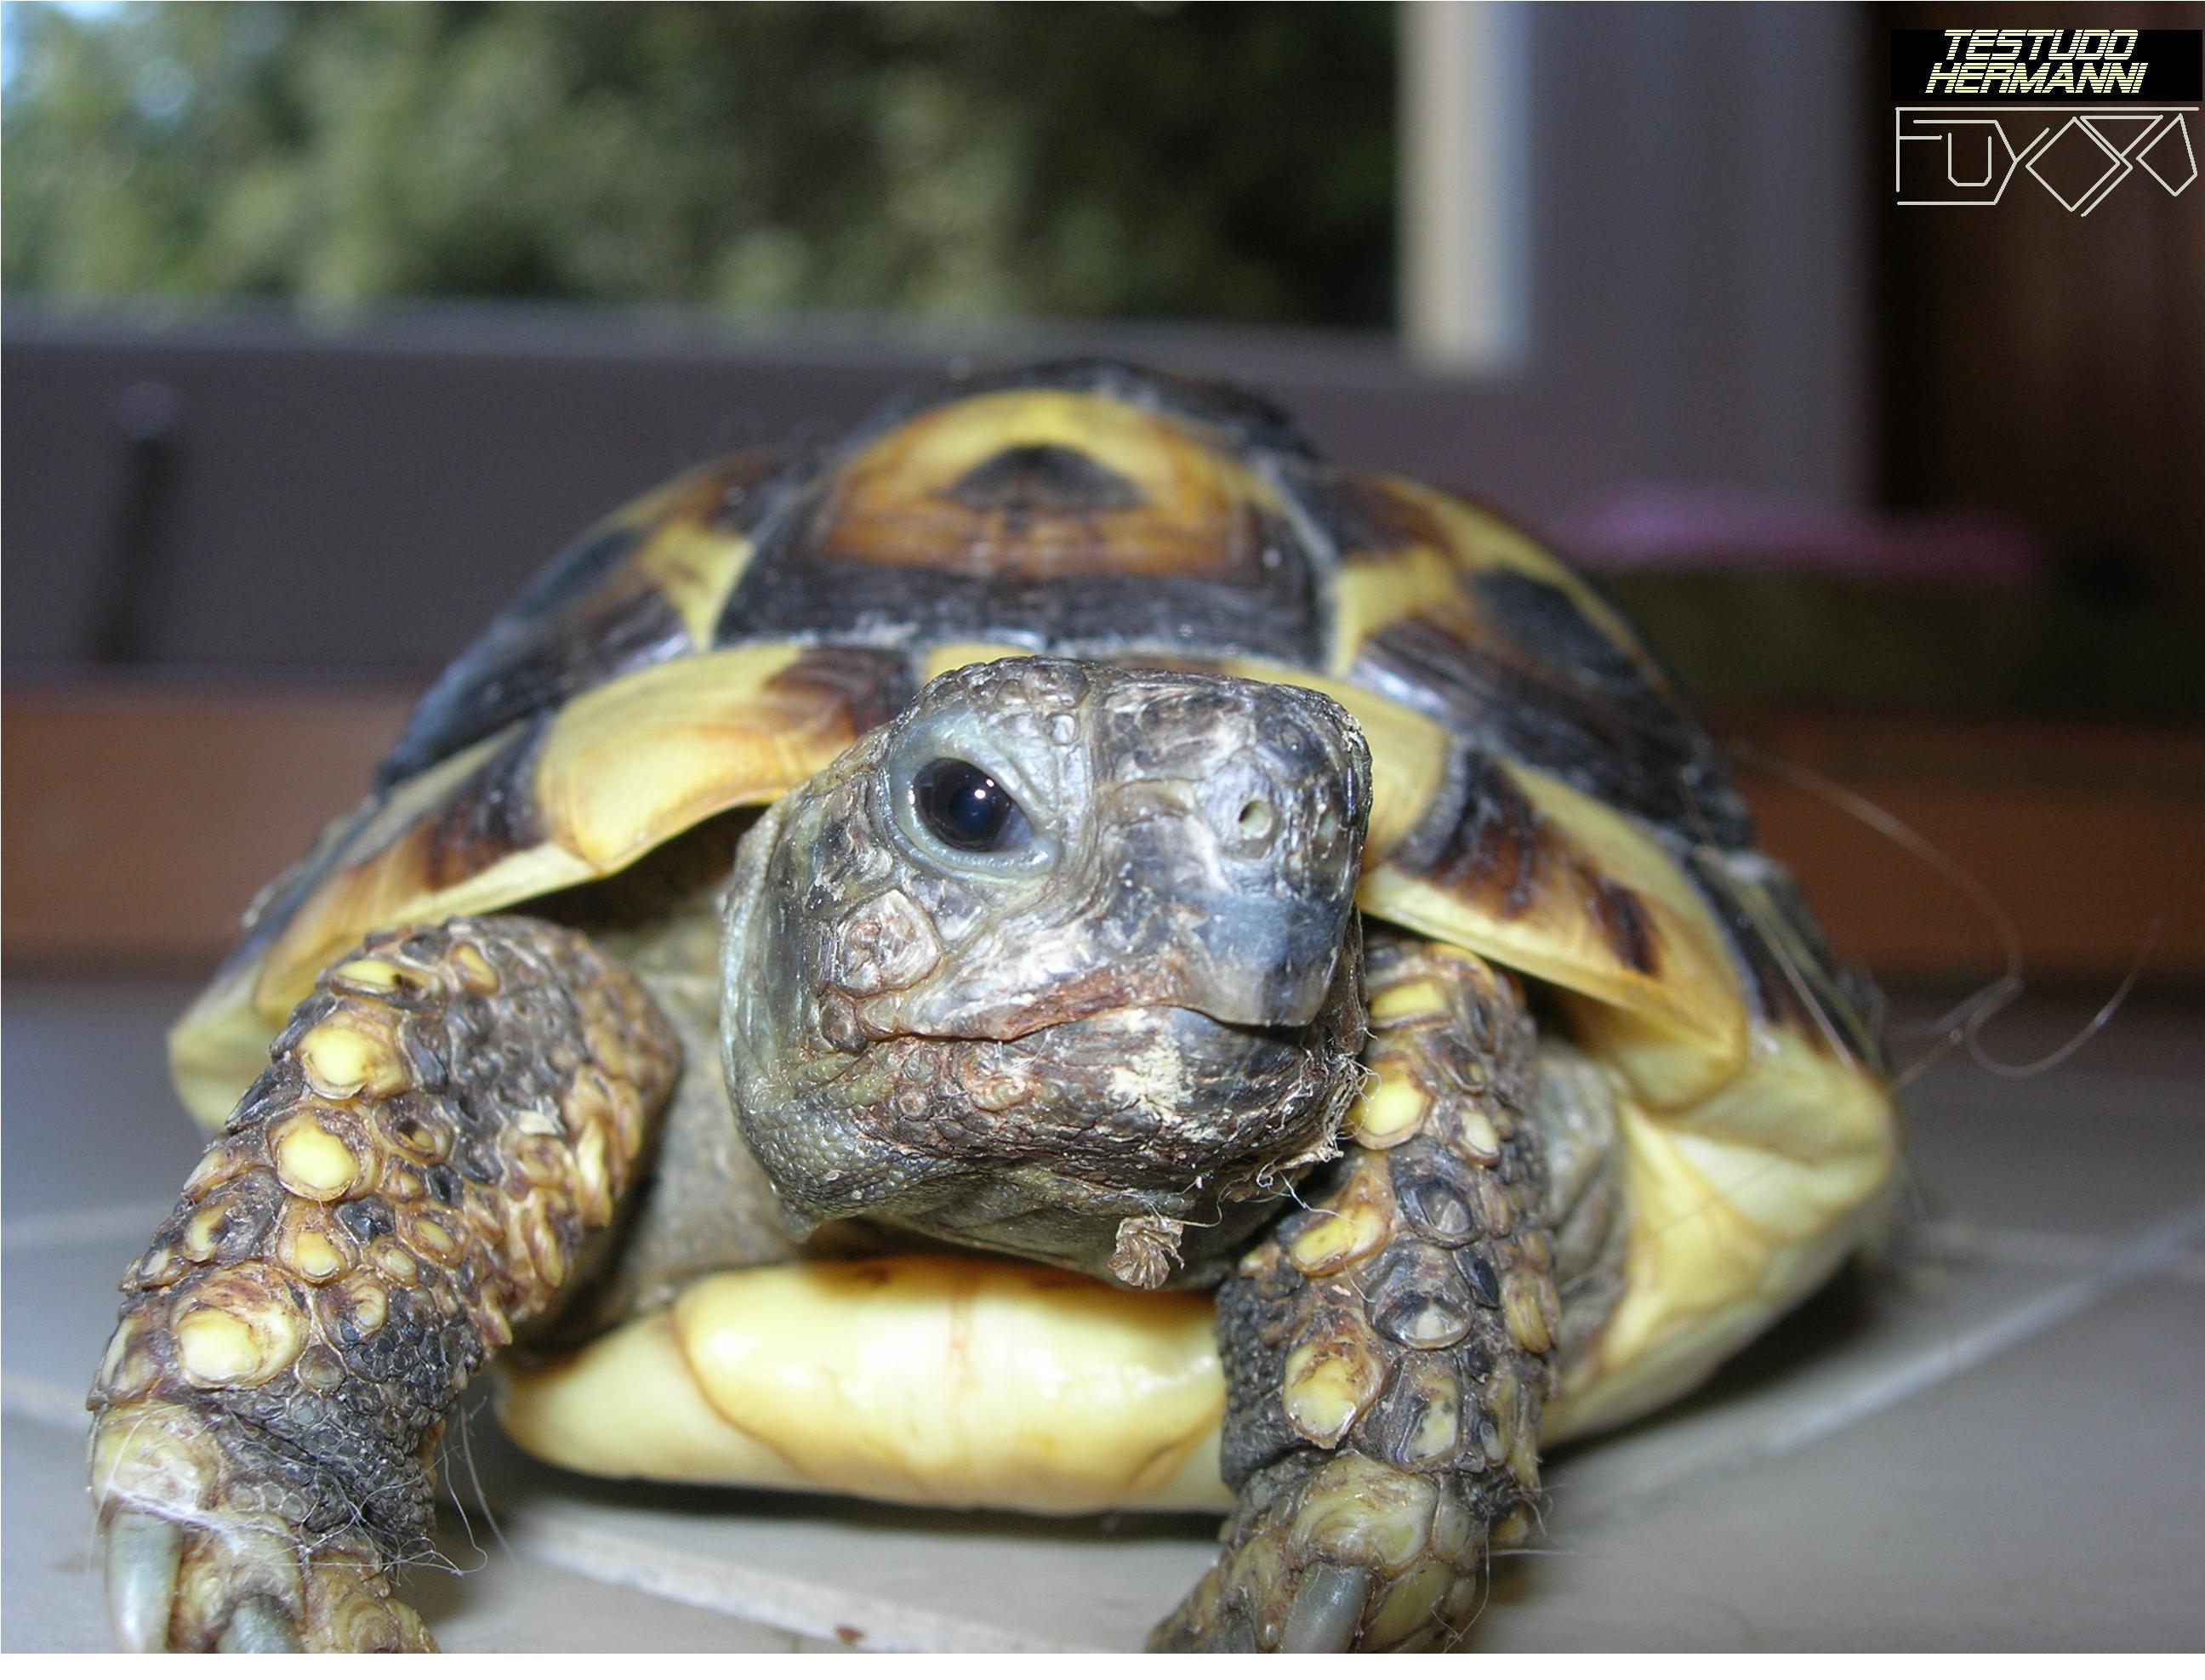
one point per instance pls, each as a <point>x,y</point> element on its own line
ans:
<point>1060,953</point>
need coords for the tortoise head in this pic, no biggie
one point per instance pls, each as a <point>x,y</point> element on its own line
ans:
<point>1060,962</point>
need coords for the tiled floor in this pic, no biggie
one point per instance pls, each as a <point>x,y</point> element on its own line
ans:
<point>1994,1440</point>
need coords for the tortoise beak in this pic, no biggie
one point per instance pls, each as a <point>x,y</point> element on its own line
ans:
<point>1263,962</point>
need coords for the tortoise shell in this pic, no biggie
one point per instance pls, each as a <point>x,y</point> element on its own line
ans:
<point>1544,796</point>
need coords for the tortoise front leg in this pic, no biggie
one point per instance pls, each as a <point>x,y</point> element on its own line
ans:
<point>1388,1351</point>
<point>445,1122</point>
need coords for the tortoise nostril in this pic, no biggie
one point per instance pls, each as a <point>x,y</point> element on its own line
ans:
<point>1255,820</point>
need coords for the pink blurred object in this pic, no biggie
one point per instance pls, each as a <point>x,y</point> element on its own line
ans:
<point>1687,528</point>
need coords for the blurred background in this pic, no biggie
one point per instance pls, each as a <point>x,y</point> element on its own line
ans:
<point>325,324</point>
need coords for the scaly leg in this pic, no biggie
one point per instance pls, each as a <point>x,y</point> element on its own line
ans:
<point>1387,1352</point>
<point>444,1122</point>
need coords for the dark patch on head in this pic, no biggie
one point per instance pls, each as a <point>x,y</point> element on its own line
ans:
<point>1043,480</point>
<point>488,817</point>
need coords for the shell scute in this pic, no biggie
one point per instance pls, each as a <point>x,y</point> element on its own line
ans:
<point>1446,606</point>
<point>1074,521</point>
<point>641,589</point>
<point>549,802</point>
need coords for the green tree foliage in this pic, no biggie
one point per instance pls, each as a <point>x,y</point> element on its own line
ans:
<point>1229,161</point>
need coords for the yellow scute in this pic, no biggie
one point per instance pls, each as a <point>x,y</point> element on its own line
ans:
<point>1675,1033</point>
<point>623,767</point>
<point>1740,1205</point>
<point>1167,459</point>
<point>649,754</point>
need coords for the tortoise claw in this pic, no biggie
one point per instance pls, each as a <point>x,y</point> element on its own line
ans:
<point>259,1626</point>
<point>143,1554</point>
<point>1327,1609</point>
<point>175,1586</point>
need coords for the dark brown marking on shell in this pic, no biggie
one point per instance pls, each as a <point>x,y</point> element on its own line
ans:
<point>592,614</point>
<point>1261,599</point>
<point>1362,518</point>
<point>866,686</point>
<point>1517,668</point>
<point>485,819</point>
<point>747,486</point>
<point>1027,547</point>
<point>1497,850</point>
<point>1243,420</point>
<point>1034,511</point>
<point>1484,841</point>
<point>1843,1001</point>
<point>1621,918</point>
<point>588,617</point>
<point>1031,481</point>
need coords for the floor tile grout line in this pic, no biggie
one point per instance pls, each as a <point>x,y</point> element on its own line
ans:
<point>2041,1249</point>
<point>2154,1248</point>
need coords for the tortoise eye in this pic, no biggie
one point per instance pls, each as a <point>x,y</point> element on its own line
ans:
<point>965,807</point>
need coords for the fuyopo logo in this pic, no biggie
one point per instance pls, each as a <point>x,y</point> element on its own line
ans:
<point>2079,110</point>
